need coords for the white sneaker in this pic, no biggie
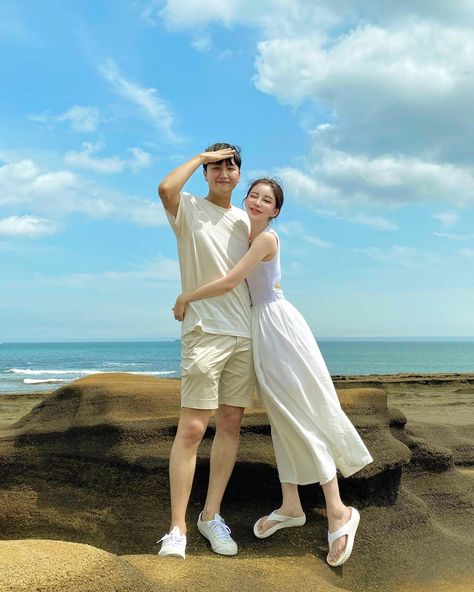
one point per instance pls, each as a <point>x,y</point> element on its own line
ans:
<point>217,533</point>
<point>173,544</point>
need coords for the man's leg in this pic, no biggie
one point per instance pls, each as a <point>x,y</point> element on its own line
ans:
<point>223,454</point>
<point>236,389</point>
<point>191,427</point>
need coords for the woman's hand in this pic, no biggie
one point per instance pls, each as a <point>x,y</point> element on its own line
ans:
<point>179,307</point>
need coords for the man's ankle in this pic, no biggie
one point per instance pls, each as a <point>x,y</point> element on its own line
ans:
<point>207,515</point>
<point>180,525</point>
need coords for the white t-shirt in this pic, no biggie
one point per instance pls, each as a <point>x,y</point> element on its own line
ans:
<point>211,240</point>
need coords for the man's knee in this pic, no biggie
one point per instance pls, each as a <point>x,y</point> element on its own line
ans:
<point>228,421</point>
<point>191,429</point>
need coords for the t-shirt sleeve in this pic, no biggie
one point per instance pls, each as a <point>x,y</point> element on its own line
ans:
<point>181,221</point>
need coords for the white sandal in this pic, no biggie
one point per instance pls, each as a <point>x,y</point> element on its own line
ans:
<point>348,529</point>
<point>283,522</point>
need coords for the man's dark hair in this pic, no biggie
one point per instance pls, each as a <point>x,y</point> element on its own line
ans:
<point>220,146</point>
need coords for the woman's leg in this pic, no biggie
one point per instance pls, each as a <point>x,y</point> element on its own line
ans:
<point>338,515</point>
<point>290,506</point>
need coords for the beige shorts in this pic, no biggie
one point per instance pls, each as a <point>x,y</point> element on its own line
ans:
<point>216,370</point>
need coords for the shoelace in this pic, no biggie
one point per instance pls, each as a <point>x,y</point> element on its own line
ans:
<point>221,529</point>
<point>172,538</point>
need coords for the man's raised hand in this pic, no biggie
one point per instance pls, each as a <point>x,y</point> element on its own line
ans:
<point>217,155</point>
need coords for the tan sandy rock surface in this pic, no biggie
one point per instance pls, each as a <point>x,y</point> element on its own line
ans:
<point>88,465</point>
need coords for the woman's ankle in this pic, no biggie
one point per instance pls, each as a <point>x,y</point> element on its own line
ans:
<point>338,513</point>
<point>290,511</point>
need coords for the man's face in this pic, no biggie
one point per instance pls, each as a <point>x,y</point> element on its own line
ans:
<point>222,176</point>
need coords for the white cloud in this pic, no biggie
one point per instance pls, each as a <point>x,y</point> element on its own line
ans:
<point>397,255</point>
<point>389,83</point>
<point>291,229</point>
<point>318,242</point>
<point>23,182</point>
<point>446,219</point>
<point>59,193</point>
<point>160,270</point>
<point>361,58</point>
<point>373,221</point>
<point>143,213</point>
<point>315,193</point>
<point>202,42</point>
<point>303,187</point>
<point>451,236</point>
<point>389,180</point>
<point>27,226</point>
<point>82,119</point>
<point>146,99</point>
<point>304,15</point>
<point>423,60</point>
<point>86,160</point>
<point>469,253</point>
<point>269,15</point>
<point>400,88</point>
<point>141,159</point>
<point>197,12</point>
<point>296,229</point>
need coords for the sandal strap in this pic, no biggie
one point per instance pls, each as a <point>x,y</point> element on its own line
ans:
<point>333,536</point>
<point>344,530</point>
<point>276,517</point>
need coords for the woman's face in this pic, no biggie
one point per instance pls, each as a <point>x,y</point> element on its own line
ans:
<point>260,203</point>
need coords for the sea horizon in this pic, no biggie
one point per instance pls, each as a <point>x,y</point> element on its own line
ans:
<point>45,365</point>
<point>421,338</point>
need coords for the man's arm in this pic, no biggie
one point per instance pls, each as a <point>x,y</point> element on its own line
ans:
<point>171,186</point>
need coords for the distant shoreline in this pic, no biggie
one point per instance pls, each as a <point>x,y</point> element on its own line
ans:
<point>431,398</point>
<point>340,380</point>
<point>37,367</point>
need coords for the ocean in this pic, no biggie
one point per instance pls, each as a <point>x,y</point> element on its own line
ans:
<point>33,367</point>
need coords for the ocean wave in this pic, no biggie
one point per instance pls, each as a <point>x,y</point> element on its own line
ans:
<point>162,373</point>
<point>124,364</point>
<point>39,381</point>
<point>28,371</point>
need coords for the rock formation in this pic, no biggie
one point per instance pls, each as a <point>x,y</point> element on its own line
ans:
<point>89,465</point>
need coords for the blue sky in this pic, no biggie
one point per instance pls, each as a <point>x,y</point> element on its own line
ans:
<point>362,109</point>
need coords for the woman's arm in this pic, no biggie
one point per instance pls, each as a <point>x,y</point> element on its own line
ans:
<point>172,184</point>
<point>265,245</point>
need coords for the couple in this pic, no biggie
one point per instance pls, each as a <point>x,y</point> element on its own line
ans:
<point>222,324</point>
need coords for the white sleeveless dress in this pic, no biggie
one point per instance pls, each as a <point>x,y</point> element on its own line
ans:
<point>312,436</point>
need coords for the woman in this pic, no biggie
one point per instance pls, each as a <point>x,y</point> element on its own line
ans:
<point>312,436</point>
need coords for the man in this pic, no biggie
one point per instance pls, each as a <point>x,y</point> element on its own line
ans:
<point>217,366</point>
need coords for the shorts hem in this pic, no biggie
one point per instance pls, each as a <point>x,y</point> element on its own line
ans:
<point>201,405</point>
<point>240,403</point>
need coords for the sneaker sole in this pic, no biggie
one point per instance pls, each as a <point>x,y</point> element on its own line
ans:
<point>160,554</point>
